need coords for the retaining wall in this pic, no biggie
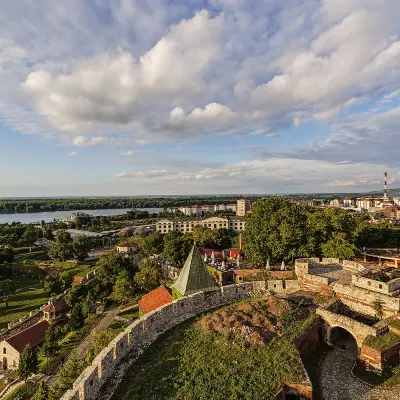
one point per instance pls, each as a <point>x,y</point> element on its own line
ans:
<point>141,333</point>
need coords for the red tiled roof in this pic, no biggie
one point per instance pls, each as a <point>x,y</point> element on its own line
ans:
<point>55,306</point>
<point>34,335</point>
<point>154,299</point>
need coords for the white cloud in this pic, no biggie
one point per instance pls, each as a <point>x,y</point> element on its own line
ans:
<point>114,88</point>
<point>127,153</point>
<point>271,135</point>
<point>145,174</point>
<point>83,141</point>
<point>142,142</point>
<point>72,153</point>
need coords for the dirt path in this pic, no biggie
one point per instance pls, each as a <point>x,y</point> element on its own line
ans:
<point>103,324</point>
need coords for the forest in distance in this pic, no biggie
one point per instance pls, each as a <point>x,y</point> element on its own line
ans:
<point>32,205</point>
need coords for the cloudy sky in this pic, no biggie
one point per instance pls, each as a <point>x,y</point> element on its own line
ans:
<point>135,97</point>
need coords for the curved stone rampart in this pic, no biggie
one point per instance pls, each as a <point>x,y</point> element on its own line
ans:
<point>141,333</point>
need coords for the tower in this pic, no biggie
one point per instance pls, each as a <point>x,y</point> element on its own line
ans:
<point>385,195</point>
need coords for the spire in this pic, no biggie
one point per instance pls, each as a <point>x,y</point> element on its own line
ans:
<point>194,276</point>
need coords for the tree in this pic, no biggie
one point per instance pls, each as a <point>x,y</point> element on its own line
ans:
<point>66,278</point>
<point>153,243</point>
<point>6,288</point>
<point>30,235</point>
<point>338,247</point>
<point>81,246</point>
<point>62,251</point>
<point>42,392</point>
<point>177,246</point>
<point>378,307</point>
<point>63,237</point>
<point>89,305</point>
<point>28,363</point>
<point>124,288</point>
<point>6,255</point>
<point>51,285</point>
<point>50,345</point>
<point>149,275</point>
<point>69,373</point>
<point>275,231</point>
<point>76,319</point>
<point>100,339</point>
<point>110,265</point>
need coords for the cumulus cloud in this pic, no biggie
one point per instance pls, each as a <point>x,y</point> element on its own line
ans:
<point>113,88</point>
<point>127,153</point>
<point>72,153</point>
<point>83,141</point>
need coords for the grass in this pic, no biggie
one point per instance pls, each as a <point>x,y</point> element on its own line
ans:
<point>67,344</point>
<point>382,342</point>
<point>186,363</point>
<point>130,314</point>
<point>20,304</point>
<point>116,327</point>
<point>395,324</point>
<point>24,392</point>
<point>23,281</point>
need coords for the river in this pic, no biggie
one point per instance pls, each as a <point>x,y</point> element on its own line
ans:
<point>29,218</point>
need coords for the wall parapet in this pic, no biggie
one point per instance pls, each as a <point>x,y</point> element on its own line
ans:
<point>143,332</point>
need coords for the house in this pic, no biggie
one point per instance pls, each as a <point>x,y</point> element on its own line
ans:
<point>154,299</point>
<point>54,310</point>
<point>12,347</point>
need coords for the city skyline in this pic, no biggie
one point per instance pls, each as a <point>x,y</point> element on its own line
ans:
<point>224,96</point>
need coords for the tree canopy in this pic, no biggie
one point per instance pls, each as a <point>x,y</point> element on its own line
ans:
<point>280,230</point>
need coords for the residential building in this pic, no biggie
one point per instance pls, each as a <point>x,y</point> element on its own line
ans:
<point>12,347</point>
<point>186,225</point>
<point>242,207</point>
<point>334,203</point>
<point>349,202</point>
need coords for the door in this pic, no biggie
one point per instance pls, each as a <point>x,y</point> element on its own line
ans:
<point>5,363</point>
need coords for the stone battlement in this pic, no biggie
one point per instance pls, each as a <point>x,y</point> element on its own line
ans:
<point>142,333</point>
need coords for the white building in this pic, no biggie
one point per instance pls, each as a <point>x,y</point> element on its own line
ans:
<point>186,225</point>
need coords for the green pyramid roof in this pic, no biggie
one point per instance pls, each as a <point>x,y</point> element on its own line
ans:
<point>194,276</point>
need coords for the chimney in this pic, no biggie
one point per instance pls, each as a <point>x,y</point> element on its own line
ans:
<point>385,196</point>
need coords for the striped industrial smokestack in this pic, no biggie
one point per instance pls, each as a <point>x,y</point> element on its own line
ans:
<point>385,187</point>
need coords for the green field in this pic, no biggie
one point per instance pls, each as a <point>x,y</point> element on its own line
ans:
<point>21,304</point>
<point>186,363</point>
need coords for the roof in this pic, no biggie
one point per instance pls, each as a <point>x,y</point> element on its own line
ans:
<point>33,335</point>
<point>154,299</point>
<point>194,276</point>
<point>54,306</point>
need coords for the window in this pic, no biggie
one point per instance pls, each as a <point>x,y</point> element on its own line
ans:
<point>4,350</point>
<point>369,283</point>
<point>380,286</point>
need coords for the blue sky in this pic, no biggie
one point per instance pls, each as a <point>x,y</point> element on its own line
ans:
<point>130,97</point>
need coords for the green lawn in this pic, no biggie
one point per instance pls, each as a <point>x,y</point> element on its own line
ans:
<point>23,281</point>
<point>21,304</point>
<point>186,363</point>
<point>130,314</point>
<point>382,342</point>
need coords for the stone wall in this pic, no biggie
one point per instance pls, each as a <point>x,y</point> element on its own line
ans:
<point>141,333</point>
<point>379,359</point>
<point>283,286</point>
<point>362,301</point>
<point>376,286</point>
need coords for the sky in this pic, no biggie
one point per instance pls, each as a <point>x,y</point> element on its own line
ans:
<point>146,97</point>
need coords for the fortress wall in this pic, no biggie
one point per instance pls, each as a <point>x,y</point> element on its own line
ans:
<point>141,333</point>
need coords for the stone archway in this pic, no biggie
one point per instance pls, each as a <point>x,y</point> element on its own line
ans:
<point>343,338</point>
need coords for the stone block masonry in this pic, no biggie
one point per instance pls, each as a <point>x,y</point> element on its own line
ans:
<point>142,333</point>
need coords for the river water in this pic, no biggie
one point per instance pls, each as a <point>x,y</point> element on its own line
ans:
<point>29,218</point>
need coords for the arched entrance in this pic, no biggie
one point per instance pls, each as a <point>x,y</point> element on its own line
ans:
<point>5,364</point>
<point>344,340</point>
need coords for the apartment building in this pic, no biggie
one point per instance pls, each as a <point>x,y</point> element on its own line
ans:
<point>242,207</point>
<point>186,225</point>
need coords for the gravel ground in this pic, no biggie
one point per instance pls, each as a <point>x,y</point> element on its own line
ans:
<point>337,383</point>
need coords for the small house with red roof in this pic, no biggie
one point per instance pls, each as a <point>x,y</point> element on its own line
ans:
<point>154,299</point>
<point>54,310</point>
<point>12,347</point>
